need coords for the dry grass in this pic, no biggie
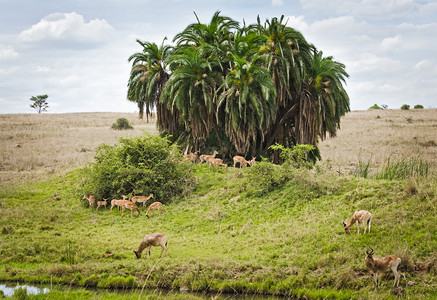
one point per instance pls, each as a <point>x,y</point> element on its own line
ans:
<point>375,136</point>
<point>53,143</point>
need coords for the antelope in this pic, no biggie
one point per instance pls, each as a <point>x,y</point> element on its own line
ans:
<point>129,204</point>
<point>117,202</point>
<point>191,156</point>
<point>382,265</point>
<point>143,199</point>
<point>362,218</point>
<point>153,239</point>
<point>217,162</point>
<point>91,200</point>
<point>153,206</point>
<point>102,203</point>
<point>242,161</point>
<point>206,158</point>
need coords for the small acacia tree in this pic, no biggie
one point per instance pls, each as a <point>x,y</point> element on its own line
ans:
<point>39,103</point>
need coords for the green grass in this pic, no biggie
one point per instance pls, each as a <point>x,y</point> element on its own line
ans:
<point>235,233</point>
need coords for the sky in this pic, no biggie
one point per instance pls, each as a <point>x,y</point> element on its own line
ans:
<point>76,51</point>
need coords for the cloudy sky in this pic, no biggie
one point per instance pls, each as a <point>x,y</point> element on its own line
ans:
<point>76,51</point>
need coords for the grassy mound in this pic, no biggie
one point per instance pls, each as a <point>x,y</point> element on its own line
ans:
<point>261,230</point>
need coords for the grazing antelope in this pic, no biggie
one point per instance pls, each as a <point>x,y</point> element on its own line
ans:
<point>153,206</point>
<point>149,240</point>
<point>217,162</point>
<point>191,156</point>
<point>362,218</point>
<point>102,203</point>
<point>129,204</point>
<point>382,265</point>
<point>117,202</point>
<point>242,161</point>
<point>143,199</point>
<point>206,158</point>
<point>91,199</point>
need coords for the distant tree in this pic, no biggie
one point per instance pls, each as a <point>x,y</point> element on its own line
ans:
<point>39,103</point>
<point>405,107</point>
<point>418,106</point>
<point>384,106</point>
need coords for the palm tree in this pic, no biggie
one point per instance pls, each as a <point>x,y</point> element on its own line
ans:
<point>148,75</point>
<point>323,99</point>
<point>247,97</point>
<point>191,92</point>
<point>248,87</point>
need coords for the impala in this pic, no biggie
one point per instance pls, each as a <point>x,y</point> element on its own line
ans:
<point>382,265</point>
<point>362,218</point>
<point>217,162</point>
<point>149,240</point>
<point>143,199</point>
<point>242,161</point>
<point>117,202</point>
<point>153,206</point>
<point>191,156</point>
<point>102,203</point>
<point>206,158</point>
<point>129,204</point>
<point>91,199</point>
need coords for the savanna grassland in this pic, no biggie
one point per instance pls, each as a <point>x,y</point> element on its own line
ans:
<point>266,229</point>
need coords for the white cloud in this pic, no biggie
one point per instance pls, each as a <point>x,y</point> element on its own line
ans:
<point>69,27</point>
<point>391,43</point>
<point>277,3</point>
<point>7,53</point>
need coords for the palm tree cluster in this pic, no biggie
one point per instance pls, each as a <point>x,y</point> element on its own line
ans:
<point>238,88</point>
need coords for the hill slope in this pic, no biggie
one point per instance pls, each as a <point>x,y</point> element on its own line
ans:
<point>265,230</point>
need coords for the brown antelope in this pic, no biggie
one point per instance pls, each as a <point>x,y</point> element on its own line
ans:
<point>129,204</point>
<point>217,162</point>
<point>143,199</point>
<point>102,203</point>
<point>206,158</point>
<point>362,218</point>
<point>149,240</point>
<point>153,206</point>
<point>117,202</point>
<point>191,156</point>
<point>242,161</point>
<point>382,265</point>
<point>91,199</point>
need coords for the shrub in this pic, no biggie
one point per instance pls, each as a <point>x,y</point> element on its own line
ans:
<point>121,124</point>
<point>374,107</point>
<point>136,166</point>
<point>267,177</point>
<point>418,106</point>
<point>405,107</point>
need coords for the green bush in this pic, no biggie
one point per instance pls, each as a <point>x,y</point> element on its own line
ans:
<point>267,177</point>
<point>418,106</point>
<point>405,107</point>
<point>375,107</point>
<point>121,124</point>
<point>136,166</point>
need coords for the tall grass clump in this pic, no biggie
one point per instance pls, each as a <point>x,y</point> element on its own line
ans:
<point>136,166</point>
<point>404,168</point>
<point>362,170</point>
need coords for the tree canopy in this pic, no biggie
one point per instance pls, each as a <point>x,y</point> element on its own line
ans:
<point>39,103</point>
<point>239,88</point>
